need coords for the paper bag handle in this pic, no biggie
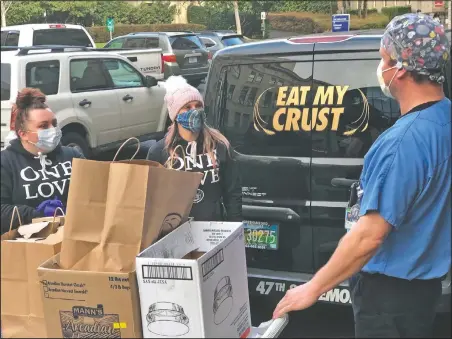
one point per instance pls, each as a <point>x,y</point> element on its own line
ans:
<point>15,211</point>
<point>54,216</point>
<point>169,162</point>
<point>125,143</point>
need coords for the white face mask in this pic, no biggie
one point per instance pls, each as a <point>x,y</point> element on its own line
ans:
<point>385,89</point>
<point>48,139</point>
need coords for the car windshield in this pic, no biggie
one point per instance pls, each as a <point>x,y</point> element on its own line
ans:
<point>185,42</point>
<point>6,81</point>
<point>61,36</point>
<point>232,41</point>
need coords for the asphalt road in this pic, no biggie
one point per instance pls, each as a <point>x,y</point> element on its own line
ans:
<point>319,321</point>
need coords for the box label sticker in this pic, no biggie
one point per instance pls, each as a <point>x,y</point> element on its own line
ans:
<point>89,322</point>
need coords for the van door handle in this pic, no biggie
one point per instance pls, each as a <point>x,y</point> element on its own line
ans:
<point>343,182</point>
<point>127,97</point>
<point>84,103</point>
<point>281,214</point>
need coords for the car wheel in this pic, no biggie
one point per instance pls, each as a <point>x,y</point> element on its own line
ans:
<point>72,139</point>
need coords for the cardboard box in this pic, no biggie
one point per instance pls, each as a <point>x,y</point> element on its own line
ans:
<point>81,304</point>
<point>193,283</point>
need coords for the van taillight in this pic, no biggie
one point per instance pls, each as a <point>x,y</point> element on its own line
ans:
<point>209,55</point>
<point>57,26</point>
<point>320,39</point>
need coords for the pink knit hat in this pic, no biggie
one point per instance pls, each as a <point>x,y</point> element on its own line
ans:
<point>178,94</point>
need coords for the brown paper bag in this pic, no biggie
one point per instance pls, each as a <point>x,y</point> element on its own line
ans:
<point>123,211</point>
<point>22,314</point>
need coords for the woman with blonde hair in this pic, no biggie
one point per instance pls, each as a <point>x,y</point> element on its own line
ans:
<point>191,145</point>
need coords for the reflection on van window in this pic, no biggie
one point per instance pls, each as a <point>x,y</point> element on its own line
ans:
<point>240,117</point>
<point>364,103</point>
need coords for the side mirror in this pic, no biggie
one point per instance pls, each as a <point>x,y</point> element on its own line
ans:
<point>150,81</point>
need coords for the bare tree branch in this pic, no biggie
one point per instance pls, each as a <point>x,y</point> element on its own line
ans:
<point>6,5</point>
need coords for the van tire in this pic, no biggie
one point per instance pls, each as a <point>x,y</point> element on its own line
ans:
<point>73,139</point>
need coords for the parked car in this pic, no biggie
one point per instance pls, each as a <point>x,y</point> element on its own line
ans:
<point>183,52</point>
<point>100,98</point>
<point>300,114</point>
<point>46,34</point>
<point>216,40</point>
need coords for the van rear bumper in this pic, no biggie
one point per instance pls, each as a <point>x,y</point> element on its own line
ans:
<point>274,284</point>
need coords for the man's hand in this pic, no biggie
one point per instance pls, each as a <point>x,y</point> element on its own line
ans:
<point>354,250</point>
<point>296,299</point>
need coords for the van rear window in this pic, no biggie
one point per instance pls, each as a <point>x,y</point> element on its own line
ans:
<point>6,81</point>
<point>61,36</point>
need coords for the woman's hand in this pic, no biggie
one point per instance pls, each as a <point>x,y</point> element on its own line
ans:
<point>48,207</point>
<point>296,299</point>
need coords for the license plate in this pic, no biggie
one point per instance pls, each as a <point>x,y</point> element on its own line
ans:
<point>192,60</point>
<point>261,235</point>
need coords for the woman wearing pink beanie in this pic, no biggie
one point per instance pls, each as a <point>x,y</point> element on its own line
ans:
<point>191,145</point>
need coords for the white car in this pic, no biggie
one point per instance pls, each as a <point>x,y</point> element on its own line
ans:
<point>46,34</point>
<point>100,98</point>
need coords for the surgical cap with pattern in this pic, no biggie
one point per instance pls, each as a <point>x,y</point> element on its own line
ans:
<point>418,44</point>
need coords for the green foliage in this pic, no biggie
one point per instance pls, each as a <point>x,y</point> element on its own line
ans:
<point>290,23</point>
<point>324,6</point>
<point>89,13</point>
<point>100,33</point>
<point>392,12</point>
<point>220,16</point>
<point>369,11</point>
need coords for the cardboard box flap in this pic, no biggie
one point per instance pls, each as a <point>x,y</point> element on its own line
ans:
<point>27,231</point>
<point>209,234</point>
<point>175,245</point>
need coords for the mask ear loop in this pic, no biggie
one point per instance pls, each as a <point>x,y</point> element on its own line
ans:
<point>399,67</point>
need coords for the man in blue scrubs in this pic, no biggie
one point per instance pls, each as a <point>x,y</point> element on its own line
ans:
<point>400,247</point>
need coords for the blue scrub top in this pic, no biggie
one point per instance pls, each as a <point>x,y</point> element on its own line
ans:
<point>406,178</point>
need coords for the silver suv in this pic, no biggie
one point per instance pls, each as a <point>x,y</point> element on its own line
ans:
<point>183,52</point>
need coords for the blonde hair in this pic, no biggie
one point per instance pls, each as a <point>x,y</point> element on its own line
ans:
<point>211,137</point>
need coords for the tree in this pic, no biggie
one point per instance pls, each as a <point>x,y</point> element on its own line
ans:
<point>237,17</point>
<point>5,6</point>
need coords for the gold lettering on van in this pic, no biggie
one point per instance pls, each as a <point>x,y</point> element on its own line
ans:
<point>293,115</point>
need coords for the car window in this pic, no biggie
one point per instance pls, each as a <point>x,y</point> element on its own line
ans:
<point>152,42</point>
<point>61,36</point>
<point>252,116</point>
<point>135,43</point>
<point>6,81</point>
<point>186,42</point>
<point>4,35</point>
<point>122,74</point>
<point>232,41</point>
<point>12,39</point>
<point>362,111</point>
<point>44,75</point>
<point>88,75</point>
<point>116,43</point>
<point>208,42</point>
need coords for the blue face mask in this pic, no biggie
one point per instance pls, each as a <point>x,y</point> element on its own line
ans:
<point>192,120</point>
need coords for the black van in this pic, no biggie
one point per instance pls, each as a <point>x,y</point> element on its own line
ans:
<point>299,112</point>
